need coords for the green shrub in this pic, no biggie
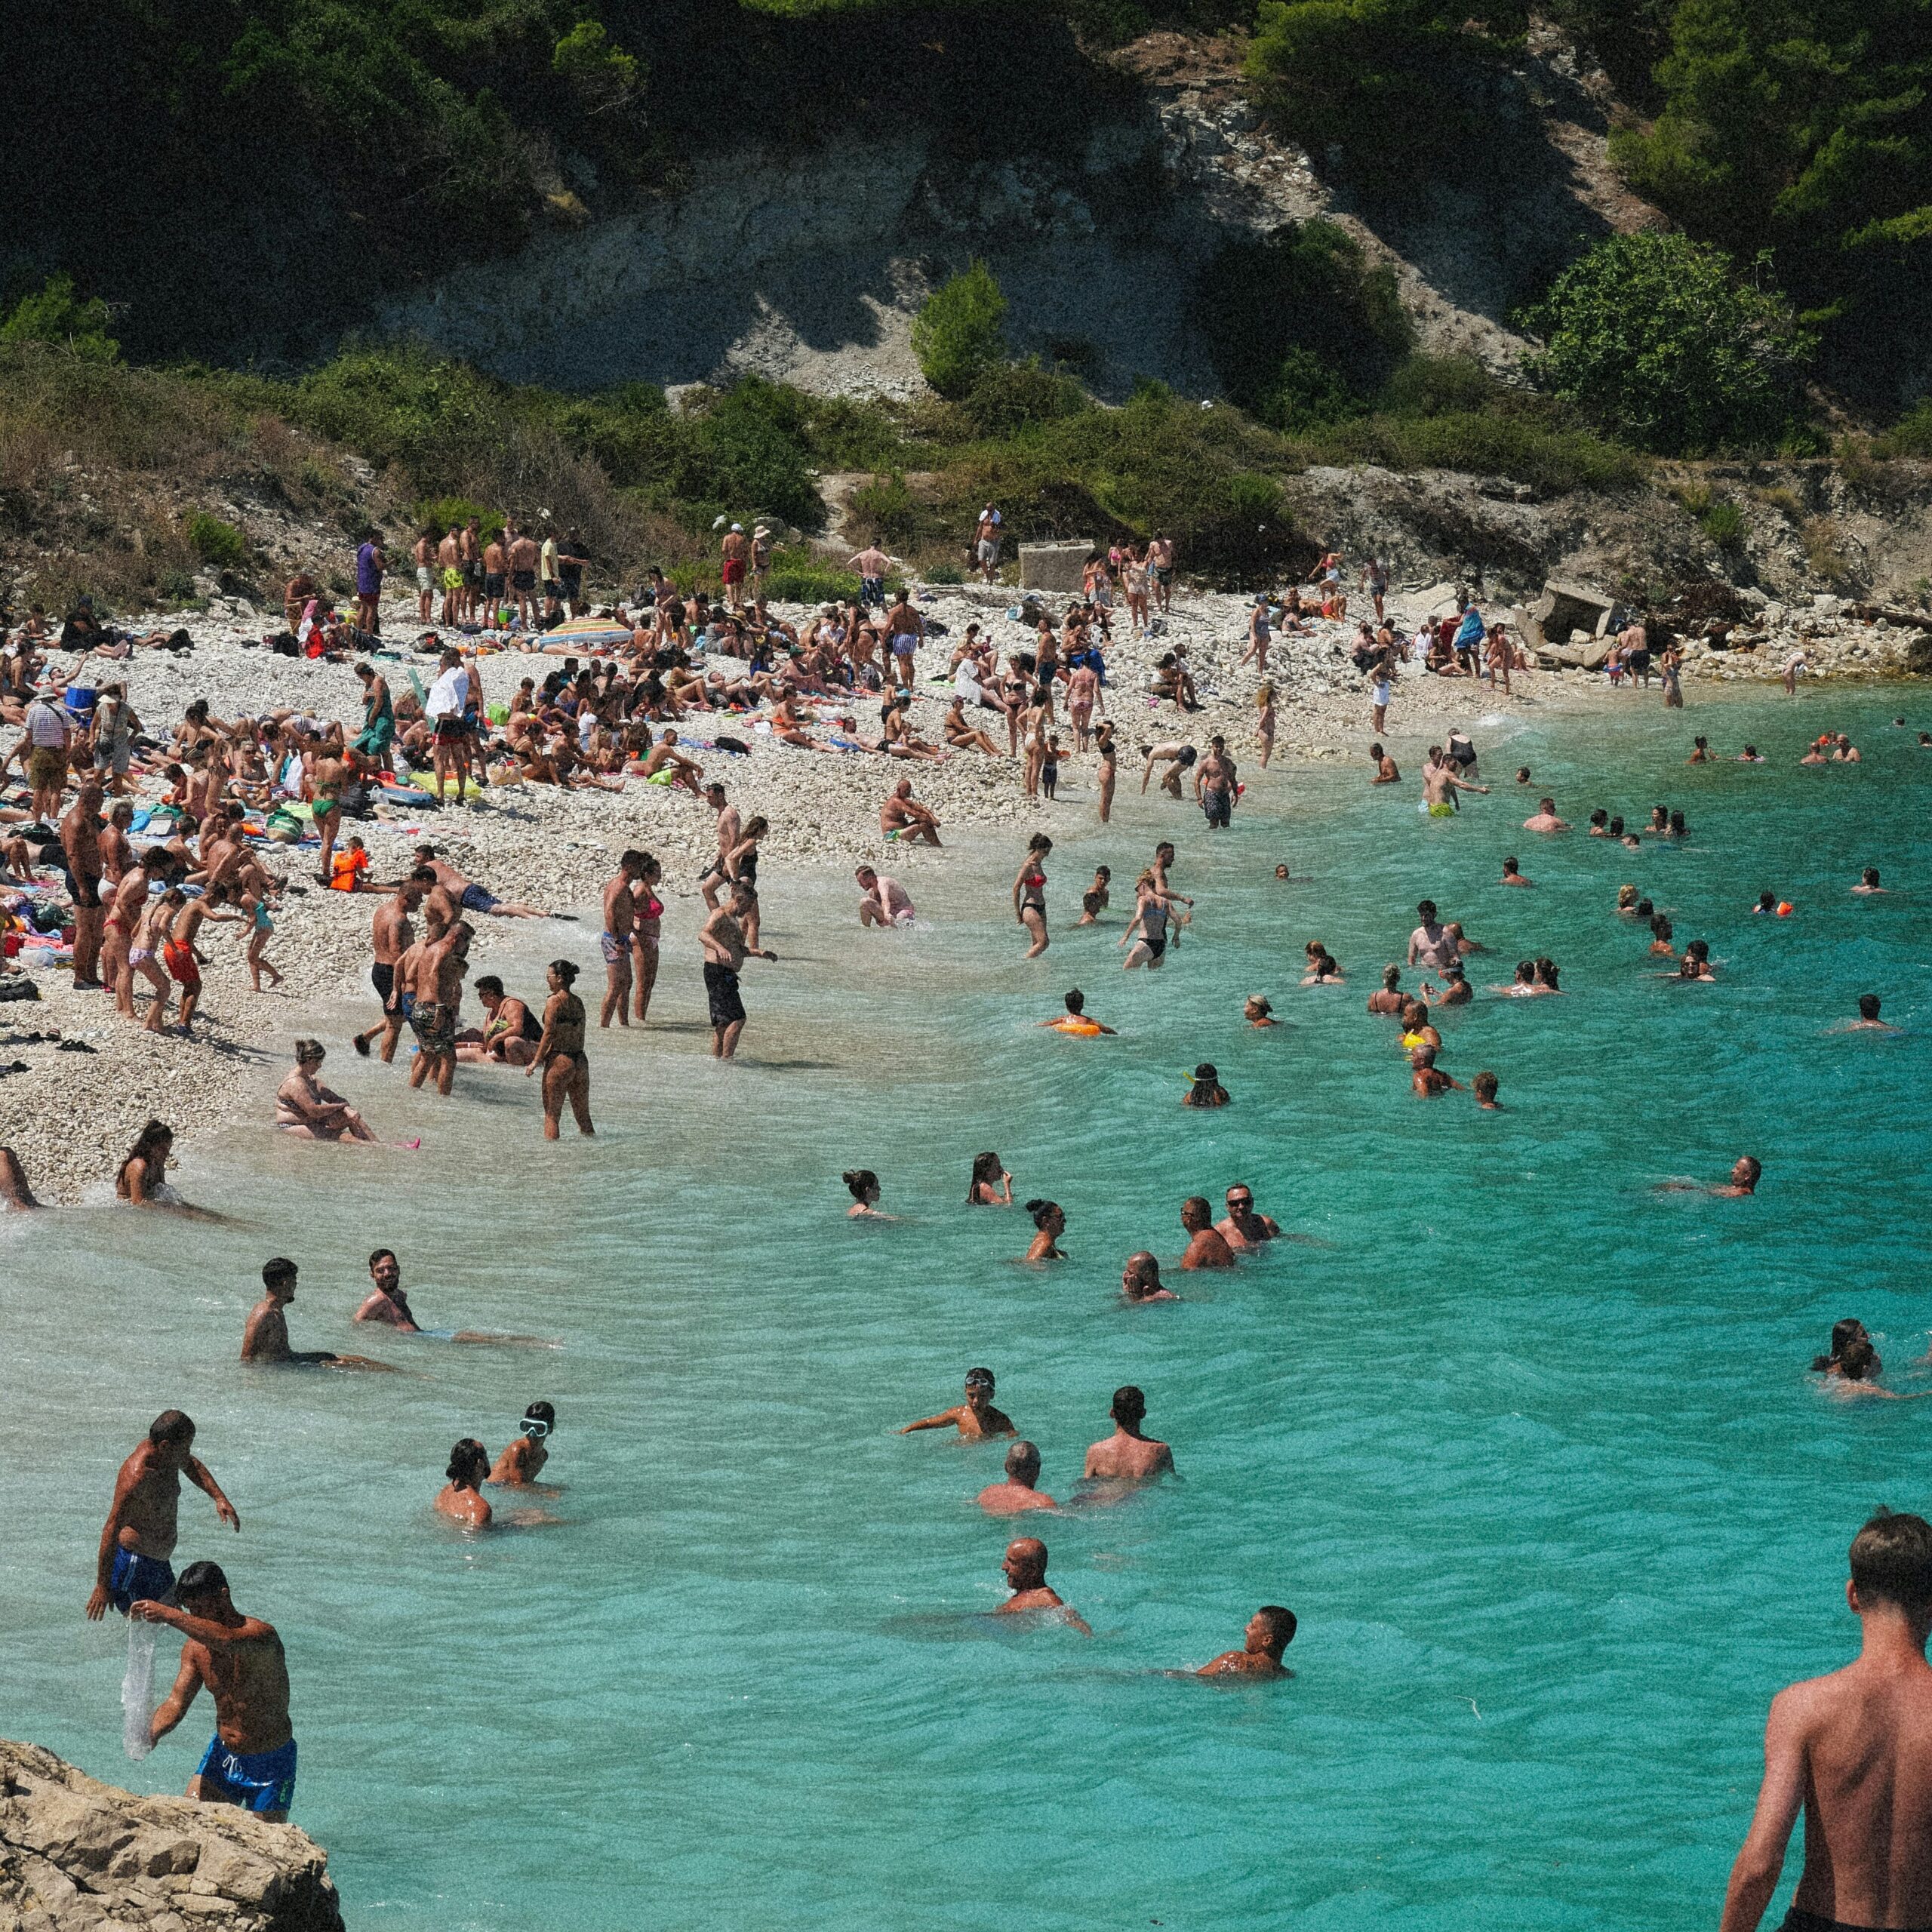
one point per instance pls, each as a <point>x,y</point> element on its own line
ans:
<point>1911,435</point>
<point>957,335</point>
<point>55,314</point>
<point>1305,391</point>
<point>1438,385</point>
<point>945,573</point>
<point>800,575</point>
<point>216,542</point>
<point>1654,339</point>
<point>1723,523</point>
<point>1009,397</point>
<point>441,514</point>
<point>1526,448</point>
<point>176,589</point>
<point>885,511</point>
<point>599,72</point>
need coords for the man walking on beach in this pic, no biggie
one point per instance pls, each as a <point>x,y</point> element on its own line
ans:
<point>370,565</point>
<point>80,845</point>
<point>142,1521</point>
<point>1854,1750</point>
<point>250,1760</point>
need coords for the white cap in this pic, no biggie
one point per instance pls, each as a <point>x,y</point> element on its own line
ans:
<point>738,528</point>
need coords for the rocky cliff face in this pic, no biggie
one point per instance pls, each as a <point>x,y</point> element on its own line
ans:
<point>807,263</point>
<point>78,1855</point>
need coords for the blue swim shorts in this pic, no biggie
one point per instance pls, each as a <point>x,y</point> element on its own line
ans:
<point>476,900</point>
<point>135,1578</point>
<point>257,1781</point>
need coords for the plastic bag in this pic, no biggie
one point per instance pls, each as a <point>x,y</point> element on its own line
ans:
<point>138,1691</point>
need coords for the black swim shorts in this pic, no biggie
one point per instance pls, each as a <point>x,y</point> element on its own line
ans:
<point>721,989</point>
<point>382,978</point>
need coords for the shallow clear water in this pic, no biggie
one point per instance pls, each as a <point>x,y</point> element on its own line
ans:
<point>1528,1446</point>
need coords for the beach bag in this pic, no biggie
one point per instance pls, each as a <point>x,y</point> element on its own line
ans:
<point>16,990</point>
<point>723,743</point>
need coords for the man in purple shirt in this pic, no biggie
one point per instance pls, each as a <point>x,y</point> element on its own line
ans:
<point>370,565</point>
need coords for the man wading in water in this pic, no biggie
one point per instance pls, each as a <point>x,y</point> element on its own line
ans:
<point>143,1525</point>
<point>1854,1750</point>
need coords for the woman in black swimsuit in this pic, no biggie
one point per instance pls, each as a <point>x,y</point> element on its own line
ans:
<point>741,868</point>
<point>1030,893</point>
<point>560,1053</point>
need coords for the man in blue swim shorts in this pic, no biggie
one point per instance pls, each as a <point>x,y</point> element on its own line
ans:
<point>142,1523</point>
<point>250,1760</point>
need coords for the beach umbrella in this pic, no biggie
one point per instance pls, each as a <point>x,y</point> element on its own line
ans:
<point>588,633</point>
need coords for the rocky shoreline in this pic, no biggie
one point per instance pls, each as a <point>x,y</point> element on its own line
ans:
<point>70,1115</point>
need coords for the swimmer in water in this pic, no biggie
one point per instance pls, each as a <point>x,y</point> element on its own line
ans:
<point>1867,1020</point>
<point>976,1418</point>
<point>1626,901</point>
<point>1850,1330</point>
<point>266,1336</point>
<point>992,1185</point>
<point>1140,1280</point>
<point>1522,774</point>
<point>1128,1455</point>
<point>1859,1370</point>
<point>1050,1221</point>
<point>1257,1012</point>
<point>1387,997</point>
<point>1427,1080</point>
<point>1270,1631</point>
<point>1207,1090</point>
<point>1660,946</point>
<point>1484,1086</point>
<point>1513,874</point>
<point>1750,755</point>
<point>142,1521</point>
<point>1454,991</point>
<point>1207,1247</point>
<point>1544,819</point>
<point>1868,883</point>
<point>388,1302</point>
<point>1323,969</point>
<point>523,1461</point>
<point>1095,900</point>
<point>1026,1568</point>
<point>1695,964</point>
<point>1745,1175</point>
<point>1243,1229</point>
<point>1767,902</point>
<point>1020,1491</point>
<point>1523,985</point>
<point>1385,773</point>
<point>1075,1020</point>
<point>461,1496</point>
<point>862,1184</point>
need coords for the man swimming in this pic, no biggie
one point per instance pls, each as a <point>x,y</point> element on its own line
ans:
<point>250,1760</point>
<point>389,1302</point>
<point>1244,1230</point>
<point>1744,1176</point>
<point>1867,1020</point>
<point>1545,818</point>
<point>1128,1455</point>
<point>1075,1020</point>
<point>1020,1490</point>
<point>266,1337</point>
<point>1025,1567</point>
<point>976,1418</point>
<point>1868,883</point>
<point>1269,1631</point>
<point>1428,944</point>
<point>1854,1751</point>
<point>1140,1280</point>
<point>1207,1247</point>
<point>142,1521</point>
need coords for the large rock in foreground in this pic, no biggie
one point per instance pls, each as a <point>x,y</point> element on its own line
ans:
<point>78,1855</point>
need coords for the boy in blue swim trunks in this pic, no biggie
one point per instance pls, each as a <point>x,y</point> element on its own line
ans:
<point>250,1760</point>
<point>141,1526</point>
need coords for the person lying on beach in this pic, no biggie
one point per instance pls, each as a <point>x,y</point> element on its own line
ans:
<point>1074,1019</point>
<point>471,897</point>
<point>310,1111</point>
<point>1269,1631</point>
<point>523,1461</point>
<point>1140,1280</point>
<point>1207,1247</point>
<point>389,1302</point>
<point>975,1418</point>
<point>1021,1489</point>
<point>1025,1566</point>
<point>1244,1230</point>
<point>266,1336</point>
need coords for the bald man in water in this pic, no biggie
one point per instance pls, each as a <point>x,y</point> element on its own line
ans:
<point>1020,1490</point>
<point>1853,1750</point>
<point>1026,1568</point>
<point>1140,1279</point>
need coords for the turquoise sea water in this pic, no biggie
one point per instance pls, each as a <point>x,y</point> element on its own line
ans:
<point>1527,1445</point>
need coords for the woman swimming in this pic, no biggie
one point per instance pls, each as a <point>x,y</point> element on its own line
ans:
<point>1207,1090</point>
<point>462,1496</point>
<point>862,1184</point>
<point>992,1185</point>
<point>1051,1223</point>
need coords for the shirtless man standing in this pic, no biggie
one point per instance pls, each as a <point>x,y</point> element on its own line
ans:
<point>1215,782</point>
<point>390,933</point>
<point>438,989</point>
<point>124,914</point>
<point>1270,1631</point>
<point>1430,944</point>
<point>1854,1750</point>
<point>1128,1455</point>
<point>1026,1568</point>
<point>1020,1490</point>
<point>904,817</point>
<point>266,1337</point>
<point>1206,1247</point>
<point>976,1418</point>
<point>80,843</point>
<point>142,1523</point>
<point>250,1760</point>
<point>1244,1230</point>
<point>620,917</point>
<point>523,556</point>
<point>730,828</point>
<point>1440,786</point>
<point>722,938</point>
